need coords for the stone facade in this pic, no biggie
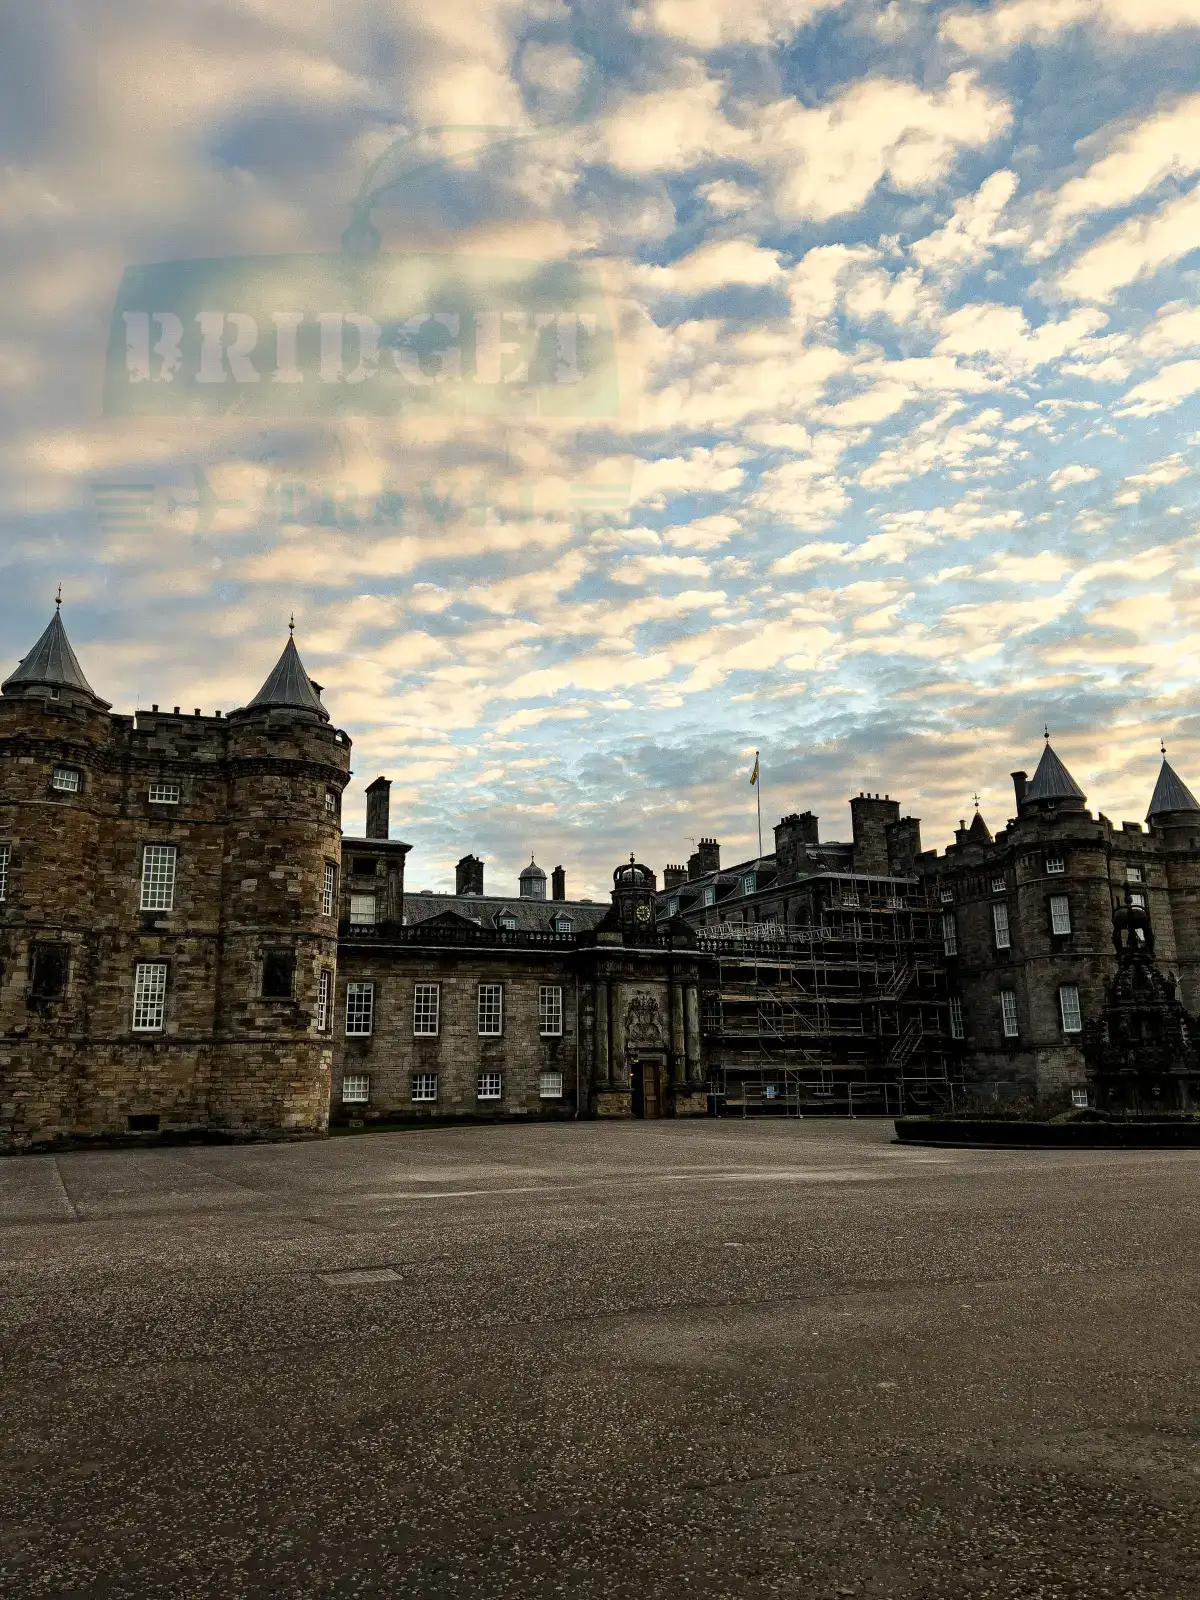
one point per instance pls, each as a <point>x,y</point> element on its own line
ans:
<point>1028,915</point>
<point>174,864</point>
<point>188,944</point>
<point>461,1015</point>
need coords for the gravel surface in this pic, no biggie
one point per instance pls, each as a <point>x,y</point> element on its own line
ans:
<point>716,1358</point>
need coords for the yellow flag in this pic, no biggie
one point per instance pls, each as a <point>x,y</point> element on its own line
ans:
<point>754,774</point>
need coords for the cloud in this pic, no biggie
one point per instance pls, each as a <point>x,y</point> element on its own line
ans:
<point>1164,391</point>
<point>1137,159</point>
<point>726,261</point>
<point>1064,477</point>
<point>973,231</point>
<point>1000,28</point>
<point>718,23</point>
<point>826,160</point>
<point>701,471</point>
<point>1138,248</point>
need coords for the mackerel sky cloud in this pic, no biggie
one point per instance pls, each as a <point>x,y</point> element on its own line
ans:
<point>902,466</point>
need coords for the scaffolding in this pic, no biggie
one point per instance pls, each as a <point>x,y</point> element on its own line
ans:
<point>846,1014</point>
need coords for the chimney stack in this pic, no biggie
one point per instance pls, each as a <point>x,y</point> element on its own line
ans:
<point>1020,779</point>
<point>378,807</point>
<point>674,876</point>
<point>468,876</point>
<point>558,884</point>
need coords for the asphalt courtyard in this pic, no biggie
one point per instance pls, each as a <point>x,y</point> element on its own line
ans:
<point>656,1359</point>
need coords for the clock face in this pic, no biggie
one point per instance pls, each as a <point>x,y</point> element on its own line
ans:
<point>643,913</point>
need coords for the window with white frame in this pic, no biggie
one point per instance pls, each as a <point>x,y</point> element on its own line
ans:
<point>956,1017</point>
<point>158,877</point>
<point>749,882</point>
<point>710,896</point>
<point>672,908</point>
<point>1055,864</point>
<point>550,1086</point>
<point>997,885</point>
<point>360,1009</point>
<point>1079,1099</point>
<point>328,889</point>
<point>424,1086</point>
<point>324,1000</point>
<point>163,793</point>
<point>507,921</point>
<point>550,1010</point>
<point>1000,927</point>
<point>149,996</point>
<point>427,1006</point>
<point>490,1086</point>
<point>5,859</point>
<point>491,1009</point>
<point>1008,1013</point>
<point>1068,1005</point>
<point>331,803</point>
<point>356,1089</point>
<point>65,780</point>
<point>564,925</point>
<point>947,897</point>
<point>949,933</point>
<point>1060,914</point>
<point>362,910</point>
<point>1133,874</point>
<point>1137,899</point>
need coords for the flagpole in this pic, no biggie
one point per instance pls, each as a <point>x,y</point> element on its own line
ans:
<point>758,795</point>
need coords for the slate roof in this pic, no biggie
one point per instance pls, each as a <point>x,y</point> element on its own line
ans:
<point>1171,793</point>
<point>979,831</point>
<point>483,909</point>
<point>289,685</point>
<point>1052,781</point>
<point>52,662</point>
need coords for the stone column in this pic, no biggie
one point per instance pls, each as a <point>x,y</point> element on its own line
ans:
<point>603,1072</point>
<point>678,1046</point>
<point>692,1007</point>
<point>620,1065</point>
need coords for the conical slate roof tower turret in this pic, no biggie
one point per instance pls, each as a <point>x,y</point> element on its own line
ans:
<point>52,665</point>
<point>289,686</point>
<point>1171,794</point>
<point>1052,785</point>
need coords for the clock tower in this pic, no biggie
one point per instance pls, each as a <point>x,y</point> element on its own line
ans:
<point>634,888</point>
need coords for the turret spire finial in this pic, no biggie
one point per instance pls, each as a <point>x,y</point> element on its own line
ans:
<point>58,596</point>
<point>292,623</point>
<point>1162,745</point>
<point>1046,732</point>
<point>977,800</point>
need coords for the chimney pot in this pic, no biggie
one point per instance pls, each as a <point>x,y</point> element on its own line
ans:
<point>378,807</point>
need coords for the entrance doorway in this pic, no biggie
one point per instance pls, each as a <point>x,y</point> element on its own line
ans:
<point>646,1081</point>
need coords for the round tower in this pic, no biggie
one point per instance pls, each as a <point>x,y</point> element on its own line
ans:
<point>57,782</point>
<point>273,1038</point>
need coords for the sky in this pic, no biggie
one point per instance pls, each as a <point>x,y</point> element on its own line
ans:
<point>886,456</point>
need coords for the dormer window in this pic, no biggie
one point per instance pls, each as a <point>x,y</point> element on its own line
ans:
<point>749,882</point>
<point>362,910</point>
<point>66,780</point>
<point>672,908</point>
<point>507,922</point>
<point>710,895</point>
<point>564,925</point>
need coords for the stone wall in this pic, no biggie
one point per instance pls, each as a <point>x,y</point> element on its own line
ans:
<point>252,831</point>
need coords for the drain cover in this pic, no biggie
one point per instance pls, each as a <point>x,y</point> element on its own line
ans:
<point>351,1277</point>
